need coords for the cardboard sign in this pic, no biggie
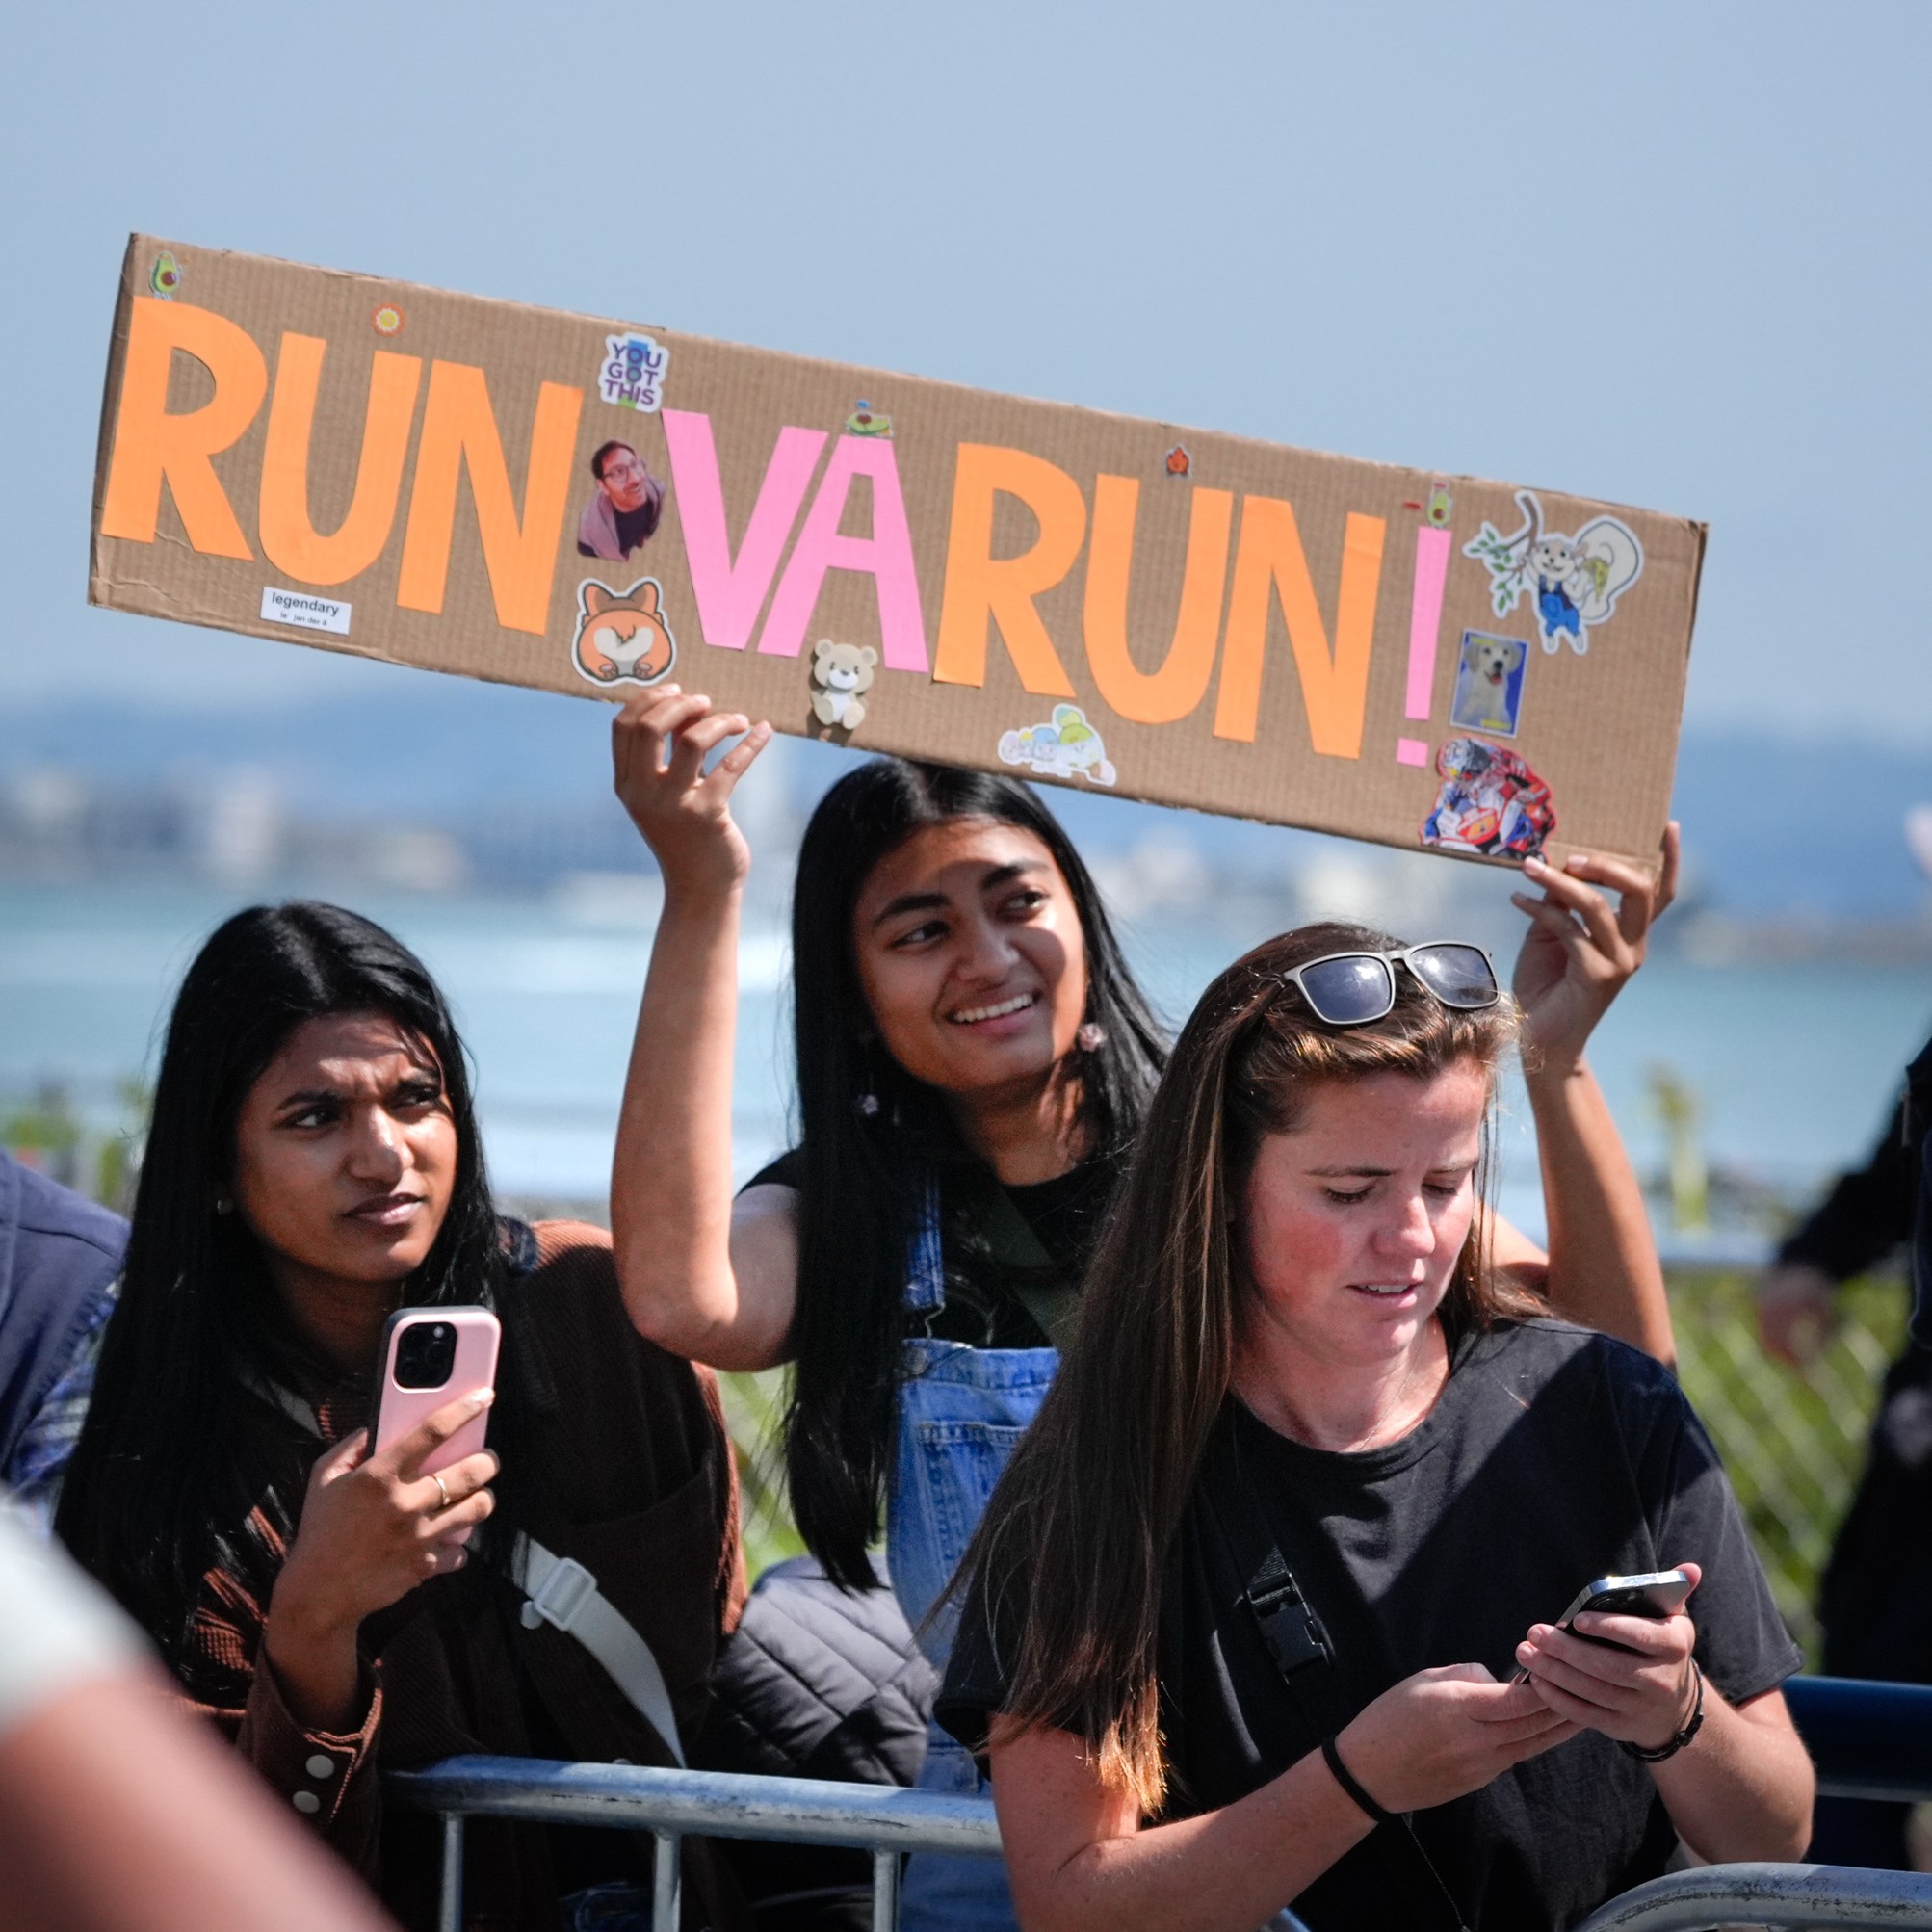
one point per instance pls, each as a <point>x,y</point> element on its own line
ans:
<point>902,564</point>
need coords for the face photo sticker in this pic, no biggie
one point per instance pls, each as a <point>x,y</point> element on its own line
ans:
<point>865,421</point>
<point>1489,683</point>
<point>621,635</point>
<point>1575,580</point>
<point>632,373</point>
<point>1066,747</point>
<point>841,676</point>
<point>624,509</point>
<point>1490,802</point>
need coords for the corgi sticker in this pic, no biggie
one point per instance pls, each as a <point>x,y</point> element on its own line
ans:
<point>1575,580</point>
<point>1066,747</point>
<point>1489,683</point>
<point>621,635</point>
<point>1490,802</point>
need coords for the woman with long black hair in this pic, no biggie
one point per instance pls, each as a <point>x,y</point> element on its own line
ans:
<point>313,1163</point>
<point>974,1066</point>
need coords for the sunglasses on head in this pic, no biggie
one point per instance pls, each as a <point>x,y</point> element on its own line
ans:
<point>1351,990</point>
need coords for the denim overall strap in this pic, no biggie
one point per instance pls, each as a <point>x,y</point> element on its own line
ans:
<point>960,1413</point>
<point>926,1263</point>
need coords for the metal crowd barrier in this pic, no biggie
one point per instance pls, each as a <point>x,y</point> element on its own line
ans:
<point>1869,1741</point>
<point>882,1818</point>
<point>1778,1896</point>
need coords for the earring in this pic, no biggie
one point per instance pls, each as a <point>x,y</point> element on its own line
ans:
<point>868,1106</point>
<point>222,1205</point>
<point>1092,1037</point>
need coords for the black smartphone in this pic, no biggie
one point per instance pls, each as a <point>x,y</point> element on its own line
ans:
<point>1661,1594</point>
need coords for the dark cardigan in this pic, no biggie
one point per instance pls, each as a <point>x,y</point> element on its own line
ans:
<point>624,1464</point>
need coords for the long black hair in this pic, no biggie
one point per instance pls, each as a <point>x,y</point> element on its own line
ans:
<point>153,1497</point>
<point>874,1137</point>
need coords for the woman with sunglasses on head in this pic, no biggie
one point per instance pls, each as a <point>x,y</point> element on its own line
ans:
<point>1244,1617</point>
<point>312,1164</point>
<point>974,1065</point>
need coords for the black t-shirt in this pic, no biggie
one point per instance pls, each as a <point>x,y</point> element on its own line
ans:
<point>981,1308</point>
<point>1553,1456</point>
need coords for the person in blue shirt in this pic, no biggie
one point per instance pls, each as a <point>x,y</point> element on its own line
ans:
<point>59,1263</point>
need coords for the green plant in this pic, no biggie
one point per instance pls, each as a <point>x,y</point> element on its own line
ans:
<point>1791,1439</point>
<point>753,1406</point>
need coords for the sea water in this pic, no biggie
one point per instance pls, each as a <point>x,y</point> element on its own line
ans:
<point>1792,1067</point>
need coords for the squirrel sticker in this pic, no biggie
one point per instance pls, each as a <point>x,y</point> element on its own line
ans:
<point>1575,580</point>
<point>621,636</point>
<point>841,676</point>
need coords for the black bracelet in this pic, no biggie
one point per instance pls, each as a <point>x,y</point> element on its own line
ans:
<point>1682,1738</point>
<point>1346,1778</point>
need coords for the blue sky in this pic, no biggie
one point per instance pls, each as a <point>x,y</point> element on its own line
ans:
<point>1667,255</point>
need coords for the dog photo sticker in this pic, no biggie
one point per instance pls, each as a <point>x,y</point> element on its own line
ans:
<point>621,635</point>
<point>1489,683</point>
<point>1490,802</point>
<point>1066,747</point>
<point>1576,580</point>
<point>841,676</point>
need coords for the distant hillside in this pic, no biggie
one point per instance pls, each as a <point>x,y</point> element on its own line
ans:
<point>1773,825</point>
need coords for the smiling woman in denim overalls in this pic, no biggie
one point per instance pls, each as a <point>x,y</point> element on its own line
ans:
<point>974,1065</point>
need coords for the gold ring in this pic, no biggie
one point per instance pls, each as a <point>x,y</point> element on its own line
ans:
<point>440,1490</point>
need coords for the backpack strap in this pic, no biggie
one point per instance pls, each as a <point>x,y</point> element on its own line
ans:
<point>1297,1638</point>
<point>1294,1635</point>
<point>558,1590</point>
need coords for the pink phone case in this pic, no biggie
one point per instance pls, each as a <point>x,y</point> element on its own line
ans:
<point>398,1410</point>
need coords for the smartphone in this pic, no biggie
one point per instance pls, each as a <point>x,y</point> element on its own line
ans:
<point>430,1356</point>
<point>1661,1594</point>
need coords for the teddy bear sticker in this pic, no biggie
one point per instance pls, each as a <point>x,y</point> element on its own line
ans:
<point>621,635</point>
<point>1066,747</point>
<point>841,676</point>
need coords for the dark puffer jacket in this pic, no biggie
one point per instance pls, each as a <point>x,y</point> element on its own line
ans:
<point>816,1683</point>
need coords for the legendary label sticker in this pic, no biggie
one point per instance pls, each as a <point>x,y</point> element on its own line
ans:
<point>305,611</point>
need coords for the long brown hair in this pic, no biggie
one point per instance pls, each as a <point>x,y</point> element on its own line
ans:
<point>1073,1544</point>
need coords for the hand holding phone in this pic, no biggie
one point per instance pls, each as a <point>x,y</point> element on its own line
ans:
<point>428,1356</point>
<point>1620,1662</point>
<point>388,1507</point>
<point>1657,1594</point>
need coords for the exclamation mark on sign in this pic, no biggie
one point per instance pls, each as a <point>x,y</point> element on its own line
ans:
<point>1425,615</point>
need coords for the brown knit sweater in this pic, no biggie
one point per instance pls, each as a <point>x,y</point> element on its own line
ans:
<point>622,1462</point>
